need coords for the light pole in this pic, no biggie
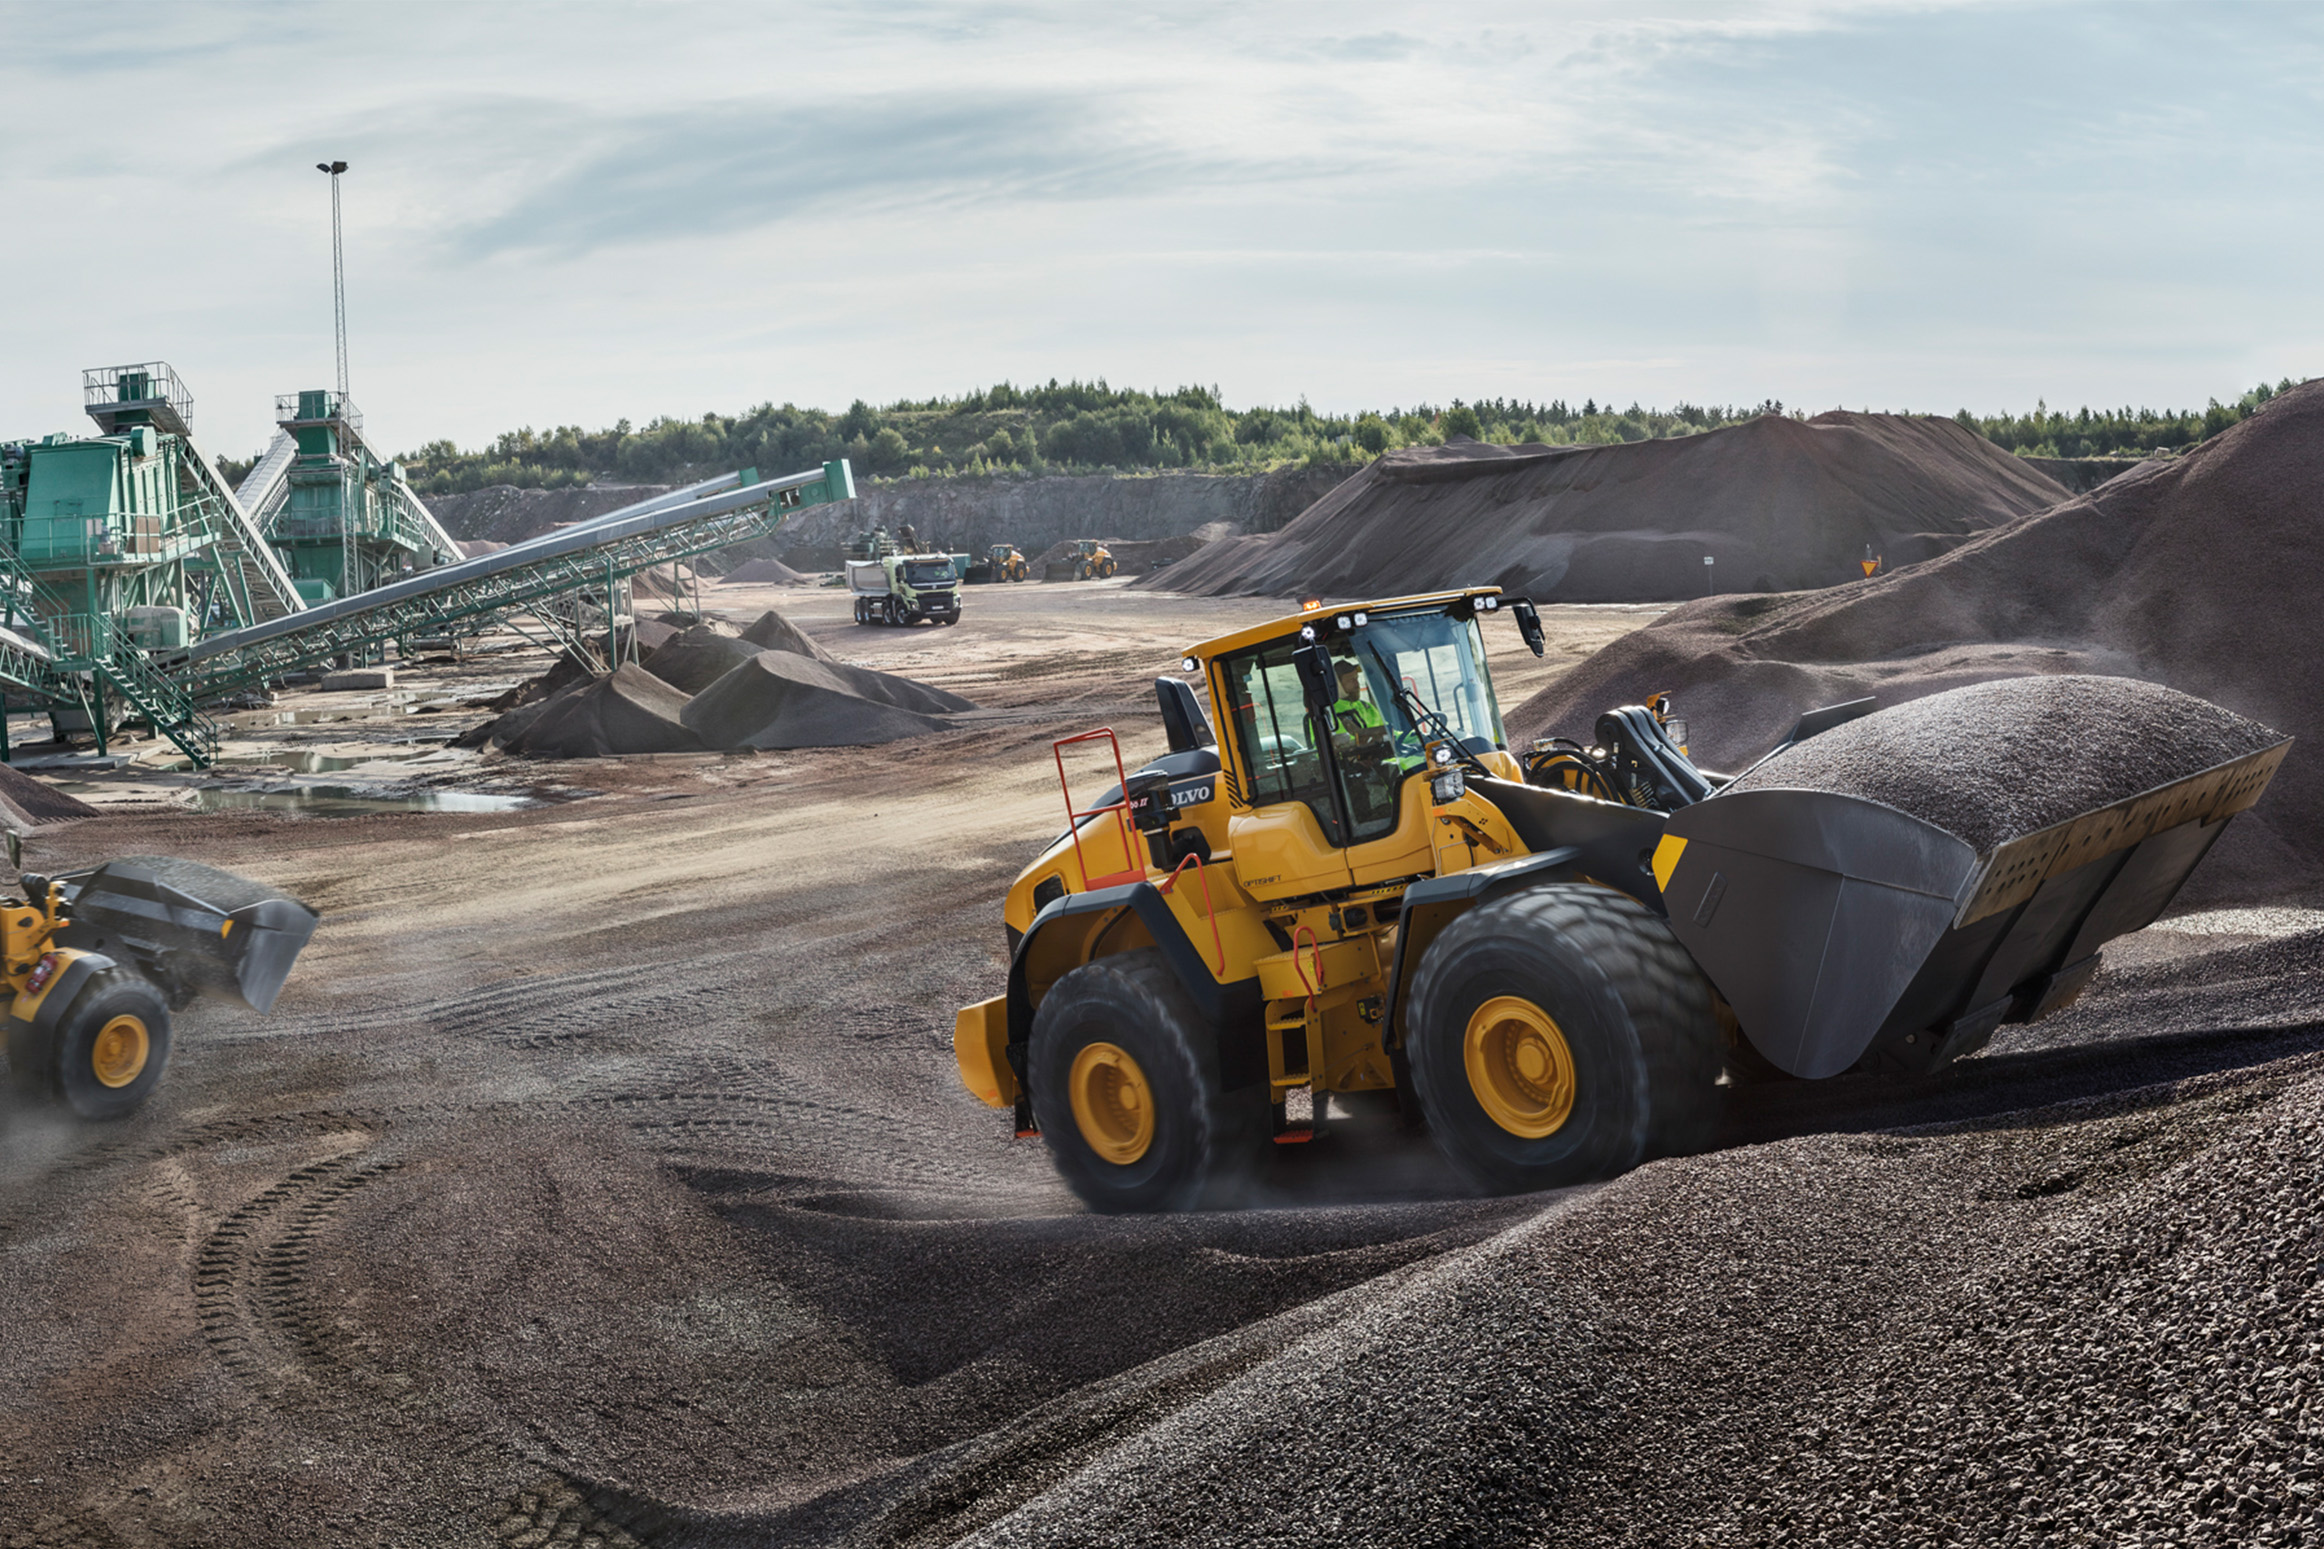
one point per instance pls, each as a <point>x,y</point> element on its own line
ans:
<point>338,274</point>
<point>1709,585</point>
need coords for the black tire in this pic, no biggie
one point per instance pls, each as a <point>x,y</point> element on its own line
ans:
<point>1634,1015</point>
<point>30,1062</point>
<point>954,619</point>
<point>110,1046</point>
<point>1203,1139</point>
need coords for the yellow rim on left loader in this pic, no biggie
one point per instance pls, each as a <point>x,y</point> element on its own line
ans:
<point>1519,1066</point>
<point>121,1049</point>
<point>1113,1104</point>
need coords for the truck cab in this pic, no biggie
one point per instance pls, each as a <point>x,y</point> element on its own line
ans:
<point>903,589</point>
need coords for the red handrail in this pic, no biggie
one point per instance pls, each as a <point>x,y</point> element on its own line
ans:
<point>1209,908</point>
<point>1120,809</point>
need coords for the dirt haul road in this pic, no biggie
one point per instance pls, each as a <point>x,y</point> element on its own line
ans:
<point>604,1177</point>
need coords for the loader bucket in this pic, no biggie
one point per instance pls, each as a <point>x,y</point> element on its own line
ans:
<point>190,927</point>
<point>1844,931</point>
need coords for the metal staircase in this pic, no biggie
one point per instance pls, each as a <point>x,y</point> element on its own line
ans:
<point>38,663</point>
<point>252,568</point>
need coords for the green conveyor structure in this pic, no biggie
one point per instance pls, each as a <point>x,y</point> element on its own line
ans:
<point>136,584</point>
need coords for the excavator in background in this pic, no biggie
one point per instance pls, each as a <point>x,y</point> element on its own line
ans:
<point>96,962</point>
<point>1361,895</point>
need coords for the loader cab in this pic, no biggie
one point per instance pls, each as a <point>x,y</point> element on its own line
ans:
<point>1326,759</point>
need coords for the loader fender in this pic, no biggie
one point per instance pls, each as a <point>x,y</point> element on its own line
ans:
<point>43,1010</point>
<point>32,1018</point>
<point>1615,842</point>
<point>1233,1007</point>
<point>1435,902</point>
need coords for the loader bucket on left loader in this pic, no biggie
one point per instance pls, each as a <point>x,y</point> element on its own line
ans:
<point>1842,930</point>
<point>189,926</point>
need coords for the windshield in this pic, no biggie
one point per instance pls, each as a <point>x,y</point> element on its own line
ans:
<point>927,572</point>
<point>1434,658</point>
<point>1438,660</point>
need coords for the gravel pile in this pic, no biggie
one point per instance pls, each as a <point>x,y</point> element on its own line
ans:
<point>693,659</point>
<point>1777,502</point>
<point>2093,1324</point>
<point>2199,573</point>
<point>779,700</point>
<point>27,802</point>
<point>777,633</point>
<point>627,711</point>
<point>1996,760</point>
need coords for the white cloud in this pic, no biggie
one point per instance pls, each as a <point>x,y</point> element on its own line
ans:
<point>575,213</point>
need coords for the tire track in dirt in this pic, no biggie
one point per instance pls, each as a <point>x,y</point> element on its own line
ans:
<point>249,1280</point>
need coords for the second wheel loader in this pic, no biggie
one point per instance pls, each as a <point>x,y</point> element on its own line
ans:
<point>94,964</point>
<point>1361,893</point>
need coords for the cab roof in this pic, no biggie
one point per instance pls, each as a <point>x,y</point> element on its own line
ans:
<point>1276,629</point>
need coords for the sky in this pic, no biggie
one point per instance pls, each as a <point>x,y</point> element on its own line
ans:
<point>579,213</point>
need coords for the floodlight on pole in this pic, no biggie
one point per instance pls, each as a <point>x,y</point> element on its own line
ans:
<point>338,274</point>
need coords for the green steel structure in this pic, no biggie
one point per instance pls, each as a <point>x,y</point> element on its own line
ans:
<point>123,544</point>
<point>134,584</point>
<point>345,520</point>
<point>557,576</point>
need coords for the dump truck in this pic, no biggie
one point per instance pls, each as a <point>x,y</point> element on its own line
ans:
<point>1092,560</point>
<point>1005,563</point>
<point>98,960</point>
<point>1556,959</point>
<point>905,589</point>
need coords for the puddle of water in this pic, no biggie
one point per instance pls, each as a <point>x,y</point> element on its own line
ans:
<point>342,801</point>
<point>299,761</point>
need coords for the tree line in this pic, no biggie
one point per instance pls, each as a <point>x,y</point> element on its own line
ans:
<point>1087,427</point>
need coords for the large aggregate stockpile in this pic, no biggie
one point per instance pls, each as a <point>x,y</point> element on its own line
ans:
<point>2201,573</point>
<point>627,711</point>
<point>779,699</point>
<point>1774,502</point>
<point>703,689</point>
<point>773,632</point>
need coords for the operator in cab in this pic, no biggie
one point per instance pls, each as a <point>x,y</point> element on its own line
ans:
<point>1353,719</point>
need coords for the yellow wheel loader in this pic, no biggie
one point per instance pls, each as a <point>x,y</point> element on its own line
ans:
<point>1006,562</point>
<point>97,961</point>
<point>1092,560</point>
<point>1361,893</point>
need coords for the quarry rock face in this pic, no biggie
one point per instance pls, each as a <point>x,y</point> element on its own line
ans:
<point>503,514</point>
<point>1775,502</point>
<point>967,515</point>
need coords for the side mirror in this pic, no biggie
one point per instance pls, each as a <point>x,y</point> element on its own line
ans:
<point>1529,624</point>
<point>1314,676</point>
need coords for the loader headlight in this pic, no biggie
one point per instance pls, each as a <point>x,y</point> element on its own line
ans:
<point>1362,619</point>
<point>1190,665</point>
<point>1448,786</point>
<point>1444,753</point>
<point>1343,623</point>
<point>1307,631</point>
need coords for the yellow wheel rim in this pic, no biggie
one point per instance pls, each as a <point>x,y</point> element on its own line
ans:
<point>119,1054</point>
<point>1112,1104</point>
<point>1519,1067</point>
